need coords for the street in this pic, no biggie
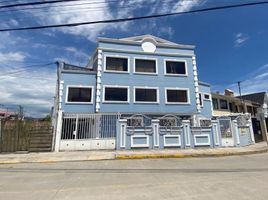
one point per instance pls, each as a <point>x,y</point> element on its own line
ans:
<point>235,177</point>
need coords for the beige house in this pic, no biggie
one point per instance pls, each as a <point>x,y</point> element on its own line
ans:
<point>228,104</point>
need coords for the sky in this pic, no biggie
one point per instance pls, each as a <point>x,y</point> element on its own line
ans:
<point>231,45</point>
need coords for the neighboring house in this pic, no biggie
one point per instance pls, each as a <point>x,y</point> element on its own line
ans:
<point>229,105</point>
<point>262,111</point>
<point>151,84</point>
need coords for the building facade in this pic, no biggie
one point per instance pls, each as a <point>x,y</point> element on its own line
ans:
<point>136,92</point>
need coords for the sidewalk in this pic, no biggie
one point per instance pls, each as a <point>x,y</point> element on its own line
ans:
<point>129,154</point>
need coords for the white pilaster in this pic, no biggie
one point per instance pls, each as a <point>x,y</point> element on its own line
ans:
<point>58,131</point>
<point>98,88</point>
<point>198,107</point>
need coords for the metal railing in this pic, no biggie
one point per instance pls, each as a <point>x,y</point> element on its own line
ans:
<point>88,126</point>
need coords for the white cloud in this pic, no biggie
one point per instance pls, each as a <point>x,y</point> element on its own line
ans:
<point>33,89</point>
<point>12,57</point>
<point>240,39</point>
<point>87,11</point>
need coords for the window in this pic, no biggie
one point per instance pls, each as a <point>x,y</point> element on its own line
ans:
<point>148,95</point>
<point>215,103</point>
<point>223,104</point>
<point>79,94</point>
<point>145,66</point>
<point>177,96</point>
<point>115,94</point>
<point>116,64</point>
<point>200,100</point>
<point>176,67</point>
<point>231,107</point>
<point>207,96</point>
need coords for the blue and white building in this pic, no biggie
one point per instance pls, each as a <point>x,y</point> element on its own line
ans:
<point>131,91</point>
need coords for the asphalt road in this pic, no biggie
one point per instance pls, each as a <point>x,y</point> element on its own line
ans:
<point>236,177</point>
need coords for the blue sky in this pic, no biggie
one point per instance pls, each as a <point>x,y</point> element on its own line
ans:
<point>231,45</point>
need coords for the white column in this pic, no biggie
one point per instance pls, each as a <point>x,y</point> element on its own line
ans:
<point>251,131</point>
<point>98,88</point>
<point>236,131</point>
<point>198,107</point>
<point>58,131</point>
<point>155,124</point>
<point>122,136</point>
<point>187,132</point>
<point>215,132</point>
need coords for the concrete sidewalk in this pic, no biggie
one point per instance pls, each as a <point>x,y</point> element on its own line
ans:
<point>129,154</point>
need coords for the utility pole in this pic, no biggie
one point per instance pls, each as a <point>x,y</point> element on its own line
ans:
<point>20,114</point>
<point>242,102</point>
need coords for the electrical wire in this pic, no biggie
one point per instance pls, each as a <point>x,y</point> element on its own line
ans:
<point>135,18</point>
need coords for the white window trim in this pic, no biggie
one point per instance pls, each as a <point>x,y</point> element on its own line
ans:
<point>140,145</point>
<point>78,86</point>
<point>145,58</point>
<point>114,86</point>
<point>178,103</point>
<point>174,144</point>
<point>146,102</point>
<point>116,56</point>
<point>202,144</point>
<point>210,99</point>
<point>175,60</point>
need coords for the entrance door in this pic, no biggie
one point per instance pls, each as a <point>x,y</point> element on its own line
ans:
<point>226,132</point>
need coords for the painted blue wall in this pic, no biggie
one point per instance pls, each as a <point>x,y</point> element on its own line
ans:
<point>160,80</point>
<point>82,79</point>
<point>206,109</point>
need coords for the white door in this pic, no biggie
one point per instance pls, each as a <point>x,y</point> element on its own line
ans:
<point>226,132</point>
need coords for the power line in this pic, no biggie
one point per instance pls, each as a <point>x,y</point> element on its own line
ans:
<point>134,18</point>
<point>29,66</point>
<point>36,3</point>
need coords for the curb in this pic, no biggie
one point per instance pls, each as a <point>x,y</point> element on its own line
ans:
<point>135,156</point>
<point>193,155</point>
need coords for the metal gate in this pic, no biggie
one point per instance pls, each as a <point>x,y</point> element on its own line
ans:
<point>88,131</point>
<point>226,131</point>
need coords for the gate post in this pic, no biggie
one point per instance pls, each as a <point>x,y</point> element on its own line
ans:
<point>251,131</point>
<point>58,131</point>
<point>187,132</point>
<point>236,131</point>
<point>155,124</point>
<point>121,134</point>
<point>215,132</point>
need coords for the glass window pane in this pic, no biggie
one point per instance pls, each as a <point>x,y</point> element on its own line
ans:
<point>147,66</point>
<point>79,94</point>
<point>223,104</point>
<point>117,64</point>
<point>116,94</point>
<point>215,103</point>
<point>175,67</point>
<point>177,96</point>
<point>149,95</point>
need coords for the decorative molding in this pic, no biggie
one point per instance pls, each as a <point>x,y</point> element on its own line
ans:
<point>98,88</point>
<point>202,136</point>
<point>60,94</point>
<point>178,137</point>
<point>198,107</point>
<point>139,145</point>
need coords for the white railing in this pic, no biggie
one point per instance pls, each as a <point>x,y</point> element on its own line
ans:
<point>88,126</point>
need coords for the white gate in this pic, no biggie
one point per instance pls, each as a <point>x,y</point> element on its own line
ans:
<point>88,131</point>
